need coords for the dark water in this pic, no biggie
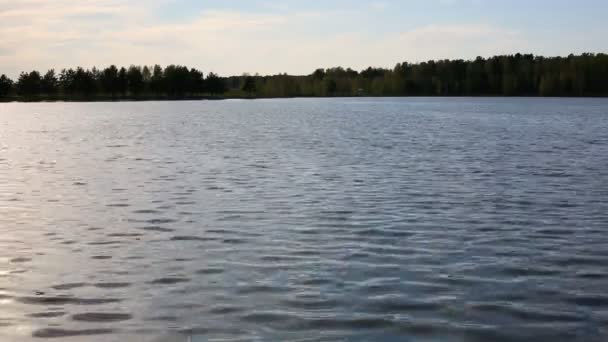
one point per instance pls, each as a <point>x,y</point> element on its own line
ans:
<point>305,220</point>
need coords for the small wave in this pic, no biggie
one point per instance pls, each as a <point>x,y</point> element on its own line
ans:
<point>169,280</point>
<point>101,317</point>
<point>62,333</point>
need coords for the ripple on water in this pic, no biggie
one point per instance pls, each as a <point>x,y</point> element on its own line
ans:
<point>101,257</point>
<point>146,211</point>
<point>358,323</point>
<point>118,205</point>
<point>592,275</point>
<point>68,286</point>
<point>185,203</point>
<point>265,317</point>
<point>160,221</point>
<point>311,303</point>
<point>589,300</point>
<point>65,300</point>
<point>234,241</point>
<point>21,271</point>
<point>210,270</point>
<point>578,261</point>
<point>157,229</point>
<point>316,281</point>
<point>47,314</point>
<point>169,280</point>
<point>226,310</point>
<point>63,333</point>
<point>105,242</point>
<point>101,317</point>
<point>125,235</point>
<point>20,260</point>
<point>111,285</point>
<point>525,312</point>
<point>259,289</point>
<point>529,271</point>
<point>163,318</point>
<point>393,304</point>
<point>192,238</point>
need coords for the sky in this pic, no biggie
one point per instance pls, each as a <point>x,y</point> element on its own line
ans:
<point>232,37</point>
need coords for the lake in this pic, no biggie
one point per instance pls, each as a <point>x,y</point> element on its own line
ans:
<point>358,219</point>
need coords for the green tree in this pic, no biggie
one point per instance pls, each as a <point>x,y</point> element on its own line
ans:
<point>508,75</point>
<point>109,80</point>
<point>49,83</point>
<point>548,86</point>
<point>122,81</point>
<point>29,84</point>
<point>157,83</point>
<point>331,86</point>
<point>135,80</point>
<point>215,84</point>
<point>6,84</point>
<point>249,85</point>
<point>84,82</point>
<point>177,80</point>
<point>196,81</point>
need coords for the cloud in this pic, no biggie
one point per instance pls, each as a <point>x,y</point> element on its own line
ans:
<point>41,34</point>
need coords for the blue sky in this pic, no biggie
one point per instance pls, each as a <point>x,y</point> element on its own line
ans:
<point>237,36</point>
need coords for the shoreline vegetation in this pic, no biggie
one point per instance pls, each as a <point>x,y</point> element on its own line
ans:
<point>584,75</point>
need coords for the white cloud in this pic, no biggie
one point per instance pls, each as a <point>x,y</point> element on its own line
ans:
<point>42,34</point>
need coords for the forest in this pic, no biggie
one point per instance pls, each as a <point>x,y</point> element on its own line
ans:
<point>506,75</point>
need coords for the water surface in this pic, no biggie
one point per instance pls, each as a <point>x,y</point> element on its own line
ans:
<point>305,220</point>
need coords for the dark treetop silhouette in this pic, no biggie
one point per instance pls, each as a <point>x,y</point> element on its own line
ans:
<point>508,75</point>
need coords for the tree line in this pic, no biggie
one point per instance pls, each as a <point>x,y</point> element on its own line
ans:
<point>506,75</point>
<point>133,82</point>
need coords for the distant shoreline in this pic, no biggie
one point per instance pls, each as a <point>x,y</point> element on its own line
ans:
<point>42,99</point>
<point>527,75</point>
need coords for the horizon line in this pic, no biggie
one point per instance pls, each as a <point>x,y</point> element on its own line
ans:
<point>257,74</point>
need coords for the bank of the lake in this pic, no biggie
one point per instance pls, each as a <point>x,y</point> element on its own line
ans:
<point>584,75</point>
<point>103,98</point>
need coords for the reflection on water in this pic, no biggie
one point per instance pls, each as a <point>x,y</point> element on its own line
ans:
<point>305,220</point>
